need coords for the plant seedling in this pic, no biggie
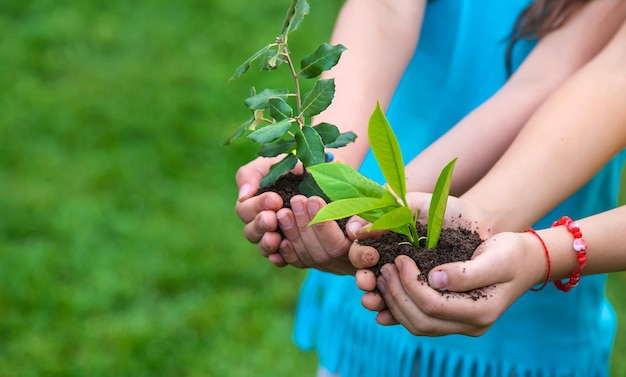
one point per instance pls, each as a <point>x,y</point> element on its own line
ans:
<point>281,119</point>
<point>385,207</point>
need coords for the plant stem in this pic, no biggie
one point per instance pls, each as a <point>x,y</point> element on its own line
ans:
<point>416,240</point>
<point>285,52</point>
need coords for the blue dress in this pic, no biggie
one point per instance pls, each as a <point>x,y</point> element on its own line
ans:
<point>458,64</point>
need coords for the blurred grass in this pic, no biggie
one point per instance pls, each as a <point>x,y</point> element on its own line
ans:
<point>120,251</point>
<point>121,254</point>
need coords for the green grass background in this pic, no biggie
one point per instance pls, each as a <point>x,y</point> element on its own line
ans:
<point>120,252</point>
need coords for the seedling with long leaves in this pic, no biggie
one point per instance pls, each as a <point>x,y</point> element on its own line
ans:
<point>281,119</point>
<point>385,207</point>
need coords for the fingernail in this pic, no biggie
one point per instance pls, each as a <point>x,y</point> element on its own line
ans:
<point>284,220</point>
<point>313,208</point>
<point>261,224</point>
<point>353,227</point>
<point>297,207</point>
<point>270,204</point>
<point>244,190</point>
<point>438,279</point>
<point>380,285</point>
<point>399,263</point>
<point>384,270</point>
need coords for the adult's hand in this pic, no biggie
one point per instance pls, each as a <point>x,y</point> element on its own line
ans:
<point>323,246</point>
<point>258,212</point>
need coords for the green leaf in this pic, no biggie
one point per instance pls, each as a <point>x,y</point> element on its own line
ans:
<point>376,214</point>
<point>279,108</point>
<point>349,207</point>
<point>319,98</point>
<point>271,59</point>
<point>278,169</point>
<point>241,130</point>
<point>341,181</point>
<point>343,140</point>
<point>261,100</point>
<point>270,132</point>
<point>323,59</point>
<point>309,147</point>
<point>295,14</point>
<point>243,68</point>
<point>387,151</point>
<point>328,132</point>
<point>277,147</point>
<point>438,204</point>
<point>397,220</point>
<point>309,187</point>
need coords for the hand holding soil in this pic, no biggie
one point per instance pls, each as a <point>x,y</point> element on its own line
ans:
<point>471,295</point>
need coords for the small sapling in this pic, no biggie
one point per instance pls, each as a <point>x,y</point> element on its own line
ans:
<point>385,207</point>
<point>281,118</point>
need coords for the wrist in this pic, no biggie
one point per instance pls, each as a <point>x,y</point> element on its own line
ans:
<point>536,253</point>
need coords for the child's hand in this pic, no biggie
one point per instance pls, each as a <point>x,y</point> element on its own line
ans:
<point>463,297</point>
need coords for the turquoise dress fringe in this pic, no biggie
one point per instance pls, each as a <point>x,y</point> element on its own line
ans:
<point>458,64</point>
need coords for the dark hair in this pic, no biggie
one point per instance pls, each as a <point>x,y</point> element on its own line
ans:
<point>540,18</point>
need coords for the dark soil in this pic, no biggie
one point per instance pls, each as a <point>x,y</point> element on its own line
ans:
<point>285,186</point>
<point>455,244</point>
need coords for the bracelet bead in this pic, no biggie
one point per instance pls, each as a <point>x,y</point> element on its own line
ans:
<point>580,247</point>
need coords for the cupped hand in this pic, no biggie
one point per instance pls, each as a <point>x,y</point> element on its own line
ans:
<point>258,212</point>
<point>459,213</point>
<point>459,298</point>
<point>323,246</point>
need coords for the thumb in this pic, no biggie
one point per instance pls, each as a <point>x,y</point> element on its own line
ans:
<point>465,276</point>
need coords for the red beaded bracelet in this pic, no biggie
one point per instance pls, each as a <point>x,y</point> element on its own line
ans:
<point>545,249</point>
<point>580,247</point>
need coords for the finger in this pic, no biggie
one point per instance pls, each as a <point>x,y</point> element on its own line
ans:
<point>373,301</point>
<point>365,233</point>
<point>439,312</point>
<point>333,239</point>
<point>365,280</point>
<point>277,260</point>
<point>264,222</point>
<point>248,177</point>
<point>385,318</point>
<point>319,244</point>
<point>363,257</point>
<point>289,255</point>
<point>481,271</point>
<point>269,243</point>
<point>405,311</point>
<point>396,299</point>
<point>247,210</point>
<point>354,224</point>
<point>288,226</point>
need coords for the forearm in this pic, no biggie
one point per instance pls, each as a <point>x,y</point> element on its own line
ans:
<point>606,245</point>
<point>380,37</point>
<point>481,138</point>
<point>578,130</point>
